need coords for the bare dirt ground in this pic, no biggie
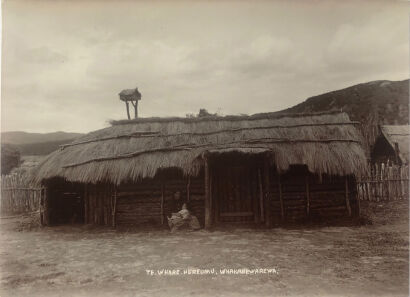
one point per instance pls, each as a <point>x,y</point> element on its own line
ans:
<point>367,260</point>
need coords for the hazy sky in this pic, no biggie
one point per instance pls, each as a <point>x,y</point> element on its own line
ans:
<point>64,62</point>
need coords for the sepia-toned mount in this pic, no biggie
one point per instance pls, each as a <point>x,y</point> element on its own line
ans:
<point>374,103</point>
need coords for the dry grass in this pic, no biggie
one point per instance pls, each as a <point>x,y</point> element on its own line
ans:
<point>321,261</point>
<point>131,150</point>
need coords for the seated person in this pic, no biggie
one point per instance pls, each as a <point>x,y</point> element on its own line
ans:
<point>183,219</point>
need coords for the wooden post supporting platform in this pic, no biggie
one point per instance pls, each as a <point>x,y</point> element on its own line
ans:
<point>307,196</point>
<point>349,210</point>
<point>207,196</point>
<point>282,212</point>
<point>268,216</point>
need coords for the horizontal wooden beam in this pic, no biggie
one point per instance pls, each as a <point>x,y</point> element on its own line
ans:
<point>236,144</point>
<point>236,214</point>
<point>142,134</point>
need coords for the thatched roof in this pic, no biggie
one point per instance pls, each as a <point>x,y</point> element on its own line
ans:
<point>130,94</point>
<point>130,150</point>
<point>400,135</point>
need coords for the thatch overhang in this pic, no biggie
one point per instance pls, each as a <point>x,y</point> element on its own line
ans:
<point>398,135</point>
<point>130,150</point>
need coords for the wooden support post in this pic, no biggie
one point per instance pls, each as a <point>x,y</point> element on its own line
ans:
<point>114,209</point>
<point>307,196</point>
<point>46,217</point>
<point>42,191</point>
<point>162,203</point>
<point>188,189</point>
<point>216,199</point>
<point>261,202</point>
<point>85,204</point>
<point>349,210</point>
<point>268,216</point>
<point>358,205</point>
<point>211,198</point>
<point>136,109</point>
<point>255,198</point>
<point>207,196</point>
<point>282,212</point>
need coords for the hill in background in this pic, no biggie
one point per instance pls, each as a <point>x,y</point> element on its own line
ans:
<point>37,143</point>
<point>19,137</point>
<point>374,103</point>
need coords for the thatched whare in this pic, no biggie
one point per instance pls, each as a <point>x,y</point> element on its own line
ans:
<point>262,168</point>
<point>392,144</point>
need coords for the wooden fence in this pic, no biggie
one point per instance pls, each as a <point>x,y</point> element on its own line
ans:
<point>384,182</point>
<point>18,196</point>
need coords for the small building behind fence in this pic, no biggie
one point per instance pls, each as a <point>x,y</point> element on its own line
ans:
<point>392,145</point>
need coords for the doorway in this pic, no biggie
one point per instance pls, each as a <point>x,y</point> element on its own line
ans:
<point>235,188</point>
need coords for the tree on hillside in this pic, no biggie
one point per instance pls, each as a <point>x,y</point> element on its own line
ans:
<point>10,158</point>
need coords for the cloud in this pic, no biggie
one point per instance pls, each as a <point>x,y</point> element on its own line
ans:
<point>42,55</point>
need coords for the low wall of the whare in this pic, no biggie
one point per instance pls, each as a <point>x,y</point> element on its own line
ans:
<point>303,198</point>
<point>151,201</point>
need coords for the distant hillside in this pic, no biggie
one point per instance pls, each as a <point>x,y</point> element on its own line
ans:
<point>37,143</point>
<point>10,158</point>
<point>372,103</point>
<point>19,137</point>
<point>41,148</point>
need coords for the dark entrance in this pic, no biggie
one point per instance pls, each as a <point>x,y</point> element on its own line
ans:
<point>65,202</point>
<point>236,195</point>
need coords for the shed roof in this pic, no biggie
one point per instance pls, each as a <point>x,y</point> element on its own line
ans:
<point>133,149</point>
<point>399,134</point>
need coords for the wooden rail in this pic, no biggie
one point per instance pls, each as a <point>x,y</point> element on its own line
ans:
<point>384,182</point>
<point>18,196</point>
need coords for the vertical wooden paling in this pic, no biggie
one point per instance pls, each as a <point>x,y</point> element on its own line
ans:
<point>41,207</point>
<point>46,206</point>
<point>402,191</point>
<point>349,210</point>
<point>207,196</point>
<point>358,204</point>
